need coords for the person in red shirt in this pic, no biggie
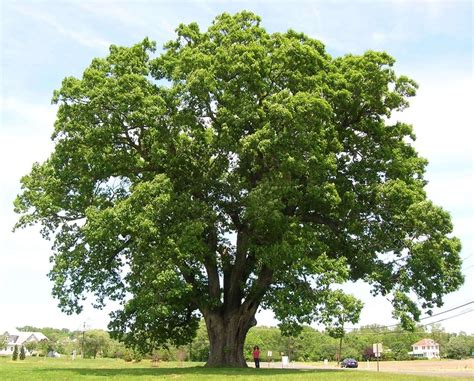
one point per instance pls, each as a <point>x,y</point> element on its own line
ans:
<point>256,356</point>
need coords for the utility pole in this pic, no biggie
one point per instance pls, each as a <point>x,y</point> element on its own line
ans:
<point>340,349</point>
<point>342,334</point>
<point>377,349</point>
<point>83,336</point>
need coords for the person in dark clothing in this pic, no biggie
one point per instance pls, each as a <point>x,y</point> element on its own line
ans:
<point>256,356</point>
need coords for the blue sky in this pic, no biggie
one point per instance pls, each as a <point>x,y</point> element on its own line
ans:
<point>44,41</point>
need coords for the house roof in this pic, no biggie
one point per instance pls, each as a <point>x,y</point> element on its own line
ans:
<point>425,342</point>
<point>19,338</point>
<point>39,336</point>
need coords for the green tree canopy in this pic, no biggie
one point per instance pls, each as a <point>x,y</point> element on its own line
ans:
<point>95,342</point>
<point>235,170</point>
<point>459,346</point>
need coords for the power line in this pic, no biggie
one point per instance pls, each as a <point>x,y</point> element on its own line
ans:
<point>467,256</point>
<point>451,309</point>
<point>418,326</point>
<point>423,318</point>
<point>449,318</point>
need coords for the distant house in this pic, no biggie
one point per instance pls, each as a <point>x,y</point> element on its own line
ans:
<point>425,348</point>
<point>15,337</point>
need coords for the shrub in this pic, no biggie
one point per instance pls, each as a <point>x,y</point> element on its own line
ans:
<point>15,353</point>
<point>22,353</point>
<point>127,355</point>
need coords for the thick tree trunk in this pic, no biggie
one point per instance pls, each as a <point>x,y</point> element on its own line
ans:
<point>227,334</point>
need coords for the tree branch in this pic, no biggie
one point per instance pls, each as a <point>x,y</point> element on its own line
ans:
<point>318,219</point>
<point>211,265</point>
<point>234,283</point>
<point>259,288</point>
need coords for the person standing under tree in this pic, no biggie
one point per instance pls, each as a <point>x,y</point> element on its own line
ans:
<point>256,356</point>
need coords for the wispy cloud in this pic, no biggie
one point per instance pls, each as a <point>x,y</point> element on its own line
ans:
<point>119,12</point>
<point>80,34</point>
<point>135,17</point>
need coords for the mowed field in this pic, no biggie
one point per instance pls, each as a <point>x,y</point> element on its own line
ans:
<point>35,369</point>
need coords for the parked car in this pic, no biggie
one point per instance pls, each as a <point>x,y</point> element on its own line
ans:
<point>349,363</point>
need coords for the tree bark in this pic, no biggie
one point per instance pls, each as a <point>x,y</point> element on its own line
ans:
<point>227,332</point>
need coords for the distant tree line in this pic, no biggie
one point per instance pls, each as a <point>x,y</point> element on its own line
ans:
<point>94,343</point>
<point>314,345</point>
<point>309,345</point>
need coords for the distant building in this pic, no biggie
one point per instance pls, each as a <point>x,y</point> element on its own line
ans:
<point>18,338</point>
<point>425,348</point>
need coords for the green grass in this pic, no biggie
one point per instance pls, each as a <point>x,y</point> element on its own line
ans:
<point>39,369</point>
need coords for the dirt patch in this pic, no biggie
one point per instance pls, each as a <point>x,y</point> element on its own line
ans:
<point>443,368</point>
<point>459,369</point>
<point>422,365</point>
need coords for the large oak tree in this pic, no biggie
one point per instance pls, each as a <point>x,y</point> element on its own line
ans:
<point>237,170</point>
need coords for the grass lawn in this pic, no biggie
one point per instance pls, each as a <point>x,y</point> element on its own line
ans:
<point>36,369</point>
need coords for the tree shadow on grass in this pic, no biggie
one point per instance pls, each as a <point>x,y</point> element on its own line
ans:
<point>195,371</point>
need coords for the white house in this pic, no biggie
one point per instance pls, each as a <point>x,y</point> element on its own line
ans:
<point>18,338</point>
<point>425,348</point>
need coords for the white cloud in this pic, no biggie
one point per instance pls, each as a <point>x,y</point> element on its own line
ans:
<point>21,111</point>
<point>441,114</point>
<point>452,191</point>
<point>48,315</point>
<point>25,136</point>
<point>378,37</point>
<point>23,151</point>
<point>26,128</point>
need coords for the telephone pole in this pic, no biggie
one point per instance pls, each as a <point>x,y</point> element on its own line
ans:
<point>83,335</point>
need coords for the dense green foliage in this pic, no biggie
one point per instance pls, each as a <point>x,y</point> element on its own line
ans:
<point>460,346</point>
<point>238,169</point>
<point>94,342</point>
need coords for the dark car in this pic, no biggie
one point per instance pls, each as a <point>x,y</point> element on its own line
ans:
<point>349,363</point>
